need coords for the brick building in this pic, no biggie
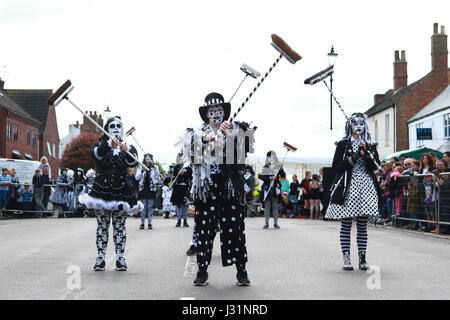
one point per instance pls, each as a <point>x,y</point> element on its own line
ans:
<point>389,115</point>
<point>19,138</point>
<point>34,102</point>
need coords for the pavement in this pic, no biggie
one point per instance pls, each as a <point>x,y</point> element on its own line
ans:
<point>53,259</point>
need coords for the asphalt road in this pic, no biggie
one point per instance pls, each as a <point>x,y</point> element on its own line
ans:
<point>42,258</point>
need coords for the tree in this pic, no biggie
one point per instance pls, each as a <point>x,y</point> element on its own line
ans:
<point>77,152</point>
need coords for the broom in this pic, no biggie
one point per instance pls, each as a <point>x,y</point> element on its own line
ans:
<point>130,133</point>
<point>285,51</point>
<point>249,71</point>
<point>288,147</point>
<point>63,93</point>
<point>321,76</point>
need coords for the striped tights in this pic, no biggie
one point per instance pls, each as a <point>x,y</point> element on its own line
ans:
<point>361,233</point>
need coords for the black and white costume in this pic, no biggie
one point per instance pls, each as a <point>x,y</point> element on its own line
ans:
<point>218,186</point>
<point>61,192</point>
<point>180,194</point>
<point>273,195</point>
<point>147,188</point>
<point>355,192</point>
<point>111,194</point>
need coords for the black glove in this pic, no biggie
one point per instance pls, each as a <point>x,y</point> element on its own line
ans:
<point>353,158</point>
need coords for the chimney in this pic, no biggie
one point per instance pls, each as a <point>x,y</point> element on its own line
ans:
<point>439,52</point>
<point>2,84</point>
<point>378,97</point>
<point>400,70</point>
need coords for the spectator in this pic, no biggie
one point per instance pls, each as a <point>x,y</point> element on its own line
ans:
<point>428,203</point>
<point>426,164</point>
<point>293,195</point>
<point>444,185</point>
<point>5,182</point>
<point>47,188</point>
<point>306,190</point>
<point>414,207</point>
<point>27,198</point>
<point>441,165</point>
<point>38,190</point>
<point>397,189</point>
<point>285,205</point>
<point>446,158</point>
<point>14,190</point>
<point>434,157</point>
<point>315,197</point>
<point>44,163</point>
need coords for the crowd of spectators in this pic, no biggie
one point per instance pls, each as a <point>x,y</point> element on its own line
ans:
<point>416,192</point>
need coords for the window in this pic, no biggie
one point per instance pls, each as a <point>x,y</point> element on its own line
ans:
<point>376,130</point>
<point>447,125</point>
<point>8,131</point>
<point>16,133</point>
<point>387,133</point>
<point>49,148</point>
<point>28,138</point>
<point>419,143</point>
<point>33,138</point>
<point>54,151</point>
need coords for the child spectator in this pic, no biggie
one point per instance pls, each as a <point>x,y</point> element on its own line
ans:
<point>44,163</point>
<point>428,202</point>
<point>27,198</point>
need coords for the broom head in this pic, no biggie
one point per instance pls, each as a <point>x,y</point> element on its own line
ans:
<point>60,94</point>
<point>322,75</point>
<point>250,71</point>
<point>283,48</point>
<point>130,131</point>
<point>289,147</point>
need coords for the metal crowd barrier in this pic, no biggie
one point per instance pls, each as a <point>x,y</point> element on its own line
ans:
<point>70,208</point>
<point>440,205</point>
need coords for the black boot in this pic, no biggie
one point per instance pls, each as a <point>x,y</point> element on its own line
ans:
<point>192,250</point>
<point>185,224</point>
<point>242,278</point>
<point>202,278</point>
<point>347,263</point>
<point>362,261</point>
<point>178,223</point>
<point>167,215</point>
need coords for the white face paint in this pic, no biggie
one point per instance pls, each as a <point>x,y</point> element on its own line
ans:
<point>115,128</point>
<point>215,114</point>
<point>358,125</point>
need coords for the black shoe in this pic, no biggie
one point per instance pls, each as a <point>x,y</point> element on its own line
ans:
<point>141,226</point>
<point>150,226</point>
<point>362,261</point>
<point>347,263</point>
<point>191,251</point>
<point>242,278</point>
<point>178,224</point>
<point>185,224</point>
<point>121,265</point>
<point>201,279</point>
<point>266,226</point>
<point>99,264</point>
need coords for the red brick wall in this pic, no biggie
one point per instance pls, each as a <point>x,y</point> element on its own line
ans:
<point>51,135</point>
<point>412,102</point>
<point>21,143</point>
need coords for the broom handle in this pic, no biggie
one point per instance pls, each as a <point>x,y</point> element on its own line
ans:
<point>255,88</point>
<point>360,139</point>
<point>138,143</point>
<point>272,182</point>
<point>237,89</point>
<point>106,133</point>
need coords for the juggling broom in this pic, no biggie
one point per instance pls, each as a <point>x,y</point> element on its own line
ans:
<point>288,147</point>
<point>63,93</point>
<point>249,71</point>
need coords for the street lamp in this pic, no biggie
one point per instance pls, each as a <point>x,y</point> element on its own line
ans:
<point>331,61</point>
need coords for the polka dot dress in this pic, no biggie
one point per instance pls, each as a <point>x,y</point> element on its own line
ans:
<point>361,199</point>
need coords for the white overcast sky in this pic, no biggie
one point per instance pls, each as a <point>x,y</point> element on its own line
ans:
<point>153,62</point>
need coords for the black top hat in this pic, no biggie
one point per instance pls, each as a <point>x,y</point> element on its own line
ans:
<point>215,99</point>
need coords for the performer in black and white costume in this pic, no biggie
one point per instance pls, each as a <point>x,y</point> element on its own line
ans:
<point>147,188</point>
<point>355,193</point>
<point>180,194</point>
<point>111,196</point>
<point>269,174</point>
<point>218,187</point>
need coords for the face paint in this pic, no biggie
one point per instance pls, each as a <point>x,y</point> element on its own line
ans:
<point>215,114</point>
<point>358,125</point>
<point>115,128</point>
